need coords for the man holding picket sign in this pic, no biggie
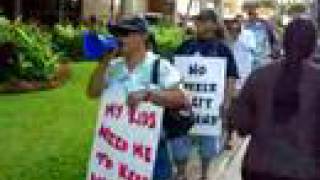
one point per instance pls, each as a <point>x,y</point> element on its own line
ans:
<point>207,66</point>
<point>128,80</point>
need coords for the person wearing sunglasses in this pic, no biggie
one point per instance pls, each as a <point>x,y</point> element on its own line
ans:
<point>133,70</point>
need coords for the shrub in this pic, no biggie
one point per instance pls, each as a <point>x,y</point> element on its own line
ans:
<point>68,39</point>
<point>36,59</point>
<point>168,38</point>
<point>296,8</point>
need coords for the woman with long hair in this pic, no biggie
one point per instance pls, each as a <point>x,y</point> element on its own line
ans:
<point>279,107</point>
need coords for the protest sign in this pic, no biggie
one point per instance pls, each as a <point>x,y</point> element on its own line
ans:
<point>126,139</point>
<point>204,78</point>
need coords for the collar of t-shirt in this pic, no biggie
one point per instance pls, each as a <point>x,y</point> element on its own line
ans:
<point>206,48</point>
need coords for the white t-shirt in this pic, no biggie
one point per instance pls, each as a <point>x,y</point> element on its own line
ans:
<point>141,77</point>
<point>243,50</point>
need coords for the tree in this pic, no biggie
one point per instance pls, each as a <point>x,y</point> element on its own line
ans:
<point>296,8</point>
<point>267,4</point>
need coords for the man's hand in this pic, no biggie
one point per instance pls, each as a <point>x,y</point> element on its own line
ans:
<point>224,111</point>
<point>109,56</point>
<point>135,98</point>
<point>172,99</point>
<point>227,124</point>
<point>99,77</point>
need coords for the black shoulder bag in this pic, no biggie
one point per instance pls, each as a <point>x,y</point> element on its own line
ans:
<point>174,124</point>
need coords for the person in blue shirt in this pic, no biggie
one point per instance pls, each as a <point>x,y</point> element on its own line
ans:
<point>243,44</point>
<point>267,45</point>
<point>207,44</point>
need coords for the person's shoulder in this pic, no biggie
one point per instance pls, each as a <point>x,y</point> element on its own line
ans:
<point>221,44</point>
<point>223,48</point>
<point>273,66</point>
<point>185,46</point>
<point>152,58</point>
<point>117,60</point>
<point>266,72</point>
<point>265,22</point>
<point>166,66</point>
<point>165,63</point>
<point>169,75</point>
<point>116,67</point>
<point>188,41</point>
<point>246,32</point>
<point>247,37</point>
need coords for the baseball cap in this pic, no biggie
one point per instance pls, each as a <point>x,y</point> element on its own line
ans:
<point>206,15</point>
<point>131,24</point>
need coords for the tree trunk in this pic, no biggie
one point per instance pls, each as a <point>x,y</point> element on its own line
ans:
<point>122,7</point>
<point>112,10</point>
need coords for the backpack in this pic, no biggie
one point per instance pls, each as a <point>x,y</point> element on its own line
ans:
<point>174,124</point>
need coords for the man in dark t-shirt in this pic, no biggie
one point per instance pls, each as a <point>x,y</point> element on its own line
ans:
<point>205,44</point>
<point>210,48</point>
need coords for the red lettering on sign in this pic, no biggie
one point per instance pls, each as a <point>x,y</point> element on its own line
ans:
<point>114,111</point>
<point>138,150</point>
<point>148,154</point>
<point>123,172</point>
<point>142,118</point>
<point>149,118</point>
<point>95,177</point>
<point>134,176</point>
<point>142,152</point>
<point>131,115</point>
<point>104,160</point>
<point>113,140</point>
<point>121,144</point>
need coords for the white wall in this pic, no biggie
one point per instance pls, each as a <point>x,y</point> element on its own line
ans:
<point>136,6</point>
<point>182,6</point>
<point>99,8</point>
<point>291,1</point>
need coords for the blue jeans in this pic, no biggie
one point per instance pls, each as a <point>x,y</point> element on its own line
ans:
<point>163,167</point>
<point>209,147</point>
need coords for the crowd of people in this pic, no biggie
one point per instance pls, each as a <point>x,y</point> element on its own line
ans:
<point>271,94</point>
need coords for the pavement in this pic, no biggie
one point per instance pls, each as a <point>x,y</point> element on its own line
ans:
<point>226,167</point>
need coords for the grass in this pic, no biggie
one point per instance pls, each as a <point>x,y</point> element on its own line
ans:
<point>47,135</point>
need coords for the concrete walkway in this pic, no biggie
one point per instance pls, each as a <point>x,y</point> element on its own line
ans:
<point>226,167</point>
<point>232,171</point>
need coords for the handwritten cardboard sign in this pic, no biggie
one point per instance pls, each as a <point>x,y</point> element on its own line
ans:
<point>205,78</point>
<point>125,141</point>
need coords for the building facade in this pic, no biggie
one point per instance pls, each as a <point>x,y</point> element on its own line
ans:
<point>54,10</point>
<point>46,11</point>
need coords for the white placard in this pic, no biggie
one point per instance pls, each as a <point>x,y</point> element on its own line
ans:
<point>205,78</point>
<point>126,140</point>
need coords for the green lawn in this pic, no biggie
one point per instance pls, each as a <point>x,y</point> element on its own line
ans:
<point>47,135</point>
